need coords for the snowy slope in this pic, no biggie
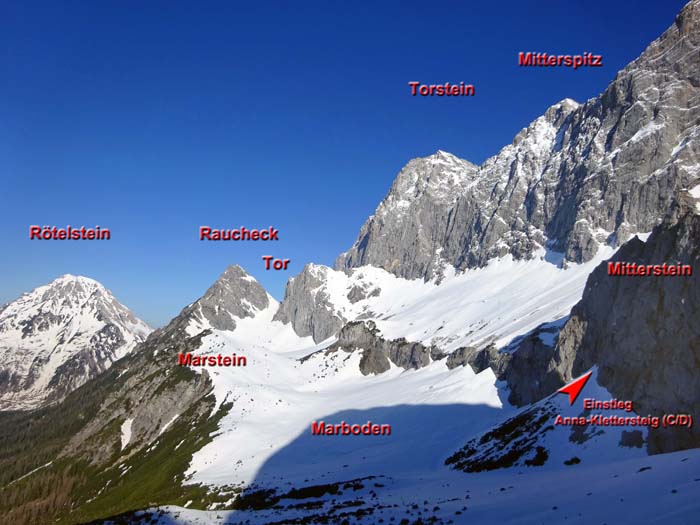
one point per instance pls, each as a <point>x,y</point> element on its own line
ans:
<point>58,336</point>
<point>653,490</point>
<point>275,399</point>
<point>265,445</point>
<point>287,385</point>
<point>531,437</point>
<point>277,396</point>
<point>496,303</point>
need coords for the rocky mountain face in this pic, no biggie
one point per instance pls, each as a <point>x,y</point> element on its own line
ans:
<point>641,332</point>
<point>415,222</point>
<point>308,307</point>
<point>59,336</point>
<point>233,294</point>
<point>578,176</point>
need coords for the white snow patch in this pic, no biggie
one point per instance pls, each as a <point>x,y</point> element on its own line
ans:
<point>126,432</point>
<point>165,427</point>
<point>695,193</point>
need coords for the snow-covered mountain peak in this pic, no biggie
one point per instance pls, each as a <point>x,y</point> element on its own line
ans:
<point>567,102</point>
<point>66,300</point>
<point>58,336</point>
<point>317,270</point>
<point>538,140</point>
<point>236,289</point>
<point>72,285</point>
<point>448,159</point>
<point>69,277</point>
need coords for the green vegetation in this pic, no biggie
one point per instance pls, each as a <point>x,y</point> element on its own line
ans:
<point>29,440</point>
<point>39,485</point>
<point>154,476</point>
<point>71,491</point>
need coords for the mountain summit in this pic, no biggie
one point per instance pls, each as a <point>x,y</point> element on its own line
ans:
<point>411,225</point>
<point>235,294</point>
<point>578,177</point>
<point>58,336</point>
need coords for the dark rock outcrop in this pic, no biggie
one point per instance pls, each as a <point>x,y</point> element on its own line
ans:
<point>642,332</point>
<point>378,353</point>
<point>524,365</point>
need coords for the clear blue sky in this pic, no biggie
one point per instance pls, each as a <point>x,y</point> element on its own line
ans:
<point>153,118</point>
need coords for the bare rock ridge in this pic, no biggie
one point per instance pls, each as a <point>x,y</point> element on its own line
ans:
<point>523,365</point>
<point>576,177</point>
<point>58,336</point>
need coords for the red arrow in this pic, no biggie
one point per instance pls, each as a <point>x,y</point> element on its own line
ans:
<point>574,388</point>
